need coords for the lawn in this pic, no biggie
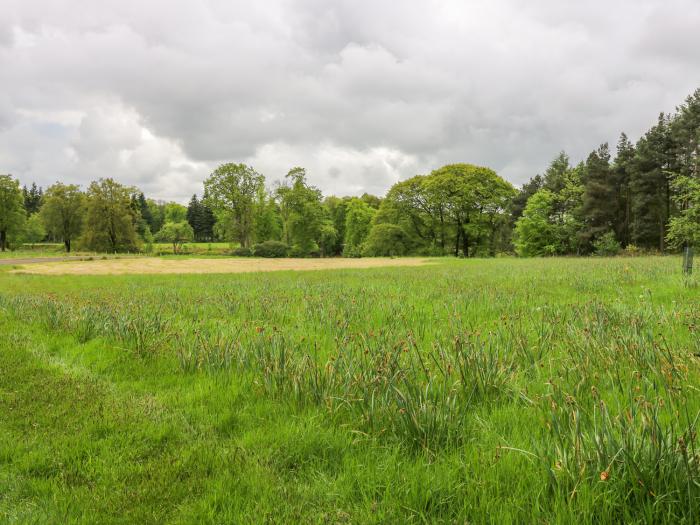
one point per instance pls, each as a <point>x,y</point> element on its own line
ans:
<point>502,391</point>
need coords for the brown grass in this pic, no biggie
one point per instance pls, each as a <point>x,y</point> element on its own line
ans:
<point>148,265</point>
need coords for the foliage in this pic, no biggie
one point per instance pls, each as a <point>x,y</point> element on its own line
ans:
<point>232,190</point>
<point>459,205</point>
<point>386,240</point>
<point>240,251</point>
<point>34,230</point>
<point>535,233</point>
<point>272,249</point>
<point>175,212</point>
<point>110,219</point>
<point>268,222</point>
<point>176,233</point>
<point>201,218</point>
<point>358,221</point>
<point>12,213</point>
<point>684,229</point>
<point>607,245</point>
<point>63,212</point>
<point>301,211</point>
<point>328,239</point>
<point>33,198</point>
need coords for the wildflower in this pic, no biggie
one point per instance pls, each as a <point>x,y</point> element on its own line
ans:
<point>604,475</point>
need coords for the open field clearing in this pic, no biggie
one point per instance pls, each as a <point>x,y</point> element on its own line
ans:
<point>501,391</point>
<point>149,265</point>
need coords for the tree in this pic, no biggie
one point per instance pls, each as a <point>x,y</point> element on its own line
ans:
<point>144,210</point>
<point>621,173</point>
<point>142,225</point>
<point>473,200</point>
<point>328,239</point>
<point>231,193</point>
<point>12,213</point>
<point>600,199</point>
<point>63,212</point>
<point>34,230</point>
<point>535,233</point>
<point>176,233</point>
<point>519,202</point>
<point>301,211</point>
<point>554,178</point>
<point>175,212</point>
<point>156,210</point>
<point>33,198</point>
<point>650,187</point>
<point>110,219</point>
<point>336,209</point>
<point>268,223</point>
<point>358,222</point>
<point>386,240</point>
<point>194,214</point>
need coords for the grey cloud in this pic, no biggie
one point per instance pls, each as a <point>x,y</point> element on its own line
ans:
<point>360,92</point>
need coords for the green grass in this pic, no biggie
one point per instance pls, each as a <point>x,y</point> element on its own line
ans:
<point>196,248</point>
<point>503,391</point>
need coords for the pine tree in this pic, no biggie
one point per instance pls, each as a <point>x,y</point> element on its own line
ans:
<point>621,175</point>
<point>599,196</point>
<point>194,217</point>
<point>33,198</point>
<point>650,187</point>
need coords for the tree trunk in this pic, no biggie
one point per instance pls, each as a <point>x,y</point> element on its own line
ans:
<point>3,240</point>
<point>66,243</point>
<point>465,243</point>
<point>458,237</point>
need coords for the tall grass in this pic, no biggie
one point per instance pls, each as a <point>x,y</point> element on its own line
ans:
<point>593,362</point>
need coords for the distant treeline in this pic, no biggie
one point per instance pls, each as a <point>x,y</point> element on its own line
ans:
<point>646,198</point>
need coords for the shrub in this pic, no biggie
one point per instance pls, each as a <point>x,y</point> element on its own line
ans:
<point>606,245</point>
<point>241,252</point>
<point>297,252</point>
<point>632,250</point>
<point>270,249</point>
<point>352,251</point>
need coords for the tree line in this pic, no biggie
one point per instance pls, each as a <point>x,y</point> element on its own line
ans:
<point>645,197</point>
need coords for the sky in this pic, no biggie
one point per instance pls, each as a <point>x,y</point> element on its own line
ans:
<point>362,93</point>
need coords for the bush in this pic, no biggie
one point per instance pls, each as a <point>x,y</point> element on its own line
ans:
<point>241,252</point>
<point>297,252</point>
<point>632,250</point>
<point>352,251</point>
<point>270,249</point>
<point>606,245</point>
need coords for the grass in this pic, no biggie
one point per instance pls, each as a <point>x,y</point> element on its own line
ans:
<point>503,391</point>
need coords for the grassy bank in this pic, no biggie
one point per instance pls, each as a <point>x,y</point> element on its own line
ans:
<point>499,391</point>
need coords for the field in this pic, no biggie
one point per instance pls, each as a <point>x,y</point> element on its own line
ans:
<point>179,265</point>
<point>462,391</point>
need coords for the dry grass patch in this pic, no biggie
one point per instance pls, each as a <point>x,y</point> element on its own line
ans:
<point>175,266</point>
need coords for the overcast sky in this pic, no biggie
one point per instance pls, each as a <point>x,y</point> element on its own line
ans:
<point>156,93</point>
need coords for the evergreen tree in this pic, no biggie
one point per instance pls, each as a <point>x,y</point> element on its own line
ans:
<point>621,173</point>
<point>599,196</point>
<point>650,187</point>
<point>194,216</point>
<point>33,198</point>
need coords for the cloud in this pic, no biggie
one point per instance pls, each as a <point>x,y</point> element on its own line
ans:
<point>360,92</point>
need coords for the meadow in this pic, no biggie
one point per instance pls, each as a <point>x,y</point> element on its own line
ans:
<point>556,390</point>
